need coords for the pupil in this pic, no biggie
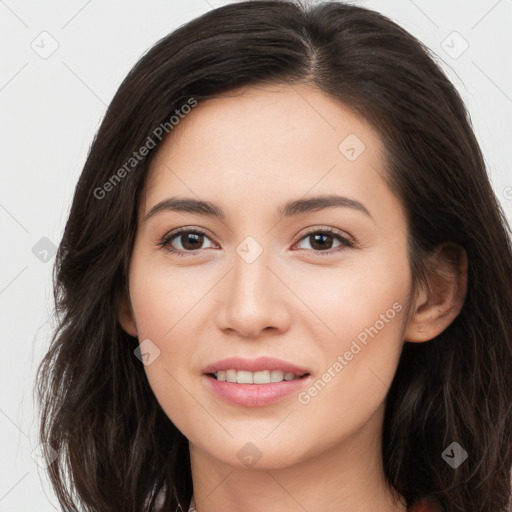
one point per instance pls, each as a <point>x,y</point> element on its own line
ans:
<point>194,238</point>
<point>318,239</point>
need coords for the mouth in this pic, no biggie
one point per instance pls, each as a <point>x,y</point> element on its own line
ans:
<point>244,388</point>
<point>260,377</point>
<point>258,382</point>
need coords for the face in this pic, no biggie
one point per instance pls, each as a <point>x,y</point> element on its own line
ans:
<point>320,285</point>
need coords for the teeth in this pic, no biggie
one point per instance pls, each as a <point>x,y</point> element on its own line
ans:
<point>276,376</point>
<point>261,377</point>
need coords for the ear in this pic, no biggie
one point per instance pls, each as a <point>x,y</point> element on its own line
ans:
<point>440,300</point>
<point>126,317</point>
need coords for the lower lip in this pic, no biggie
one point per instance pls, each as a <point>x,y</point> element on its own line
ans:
<point>254,395</point>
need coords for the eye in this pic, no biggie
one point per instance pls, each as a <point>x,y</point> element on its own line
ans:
<point>189,239</point>
<point>321,240</point>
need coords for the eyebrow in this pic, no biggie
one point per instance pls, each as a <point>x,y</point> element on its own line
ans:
<point>290,208</point>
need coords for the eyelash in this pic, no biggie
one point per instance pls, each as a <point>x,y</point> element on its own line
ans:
<point>339,235</point>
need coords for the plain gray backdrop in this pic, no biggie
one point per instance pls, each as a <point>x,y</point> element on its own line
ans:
<point>61,63</point>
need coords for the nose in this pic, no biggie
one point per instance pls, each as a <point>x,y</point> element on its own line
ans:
<point>253,299</point>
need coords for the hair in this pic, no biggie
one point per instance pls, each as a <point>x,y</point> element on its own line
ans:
<point>116,447</point>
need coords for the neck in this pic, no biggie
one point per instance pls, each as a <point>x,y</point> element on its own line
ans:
<point>346,477</point>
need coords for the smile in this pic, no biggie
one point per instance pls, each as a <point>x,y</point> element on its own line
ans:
<point>261,377</point>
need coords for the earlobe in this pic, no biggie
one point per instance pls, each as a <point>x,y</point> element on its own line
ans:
<point>440,301</point>
<point>126,317</point>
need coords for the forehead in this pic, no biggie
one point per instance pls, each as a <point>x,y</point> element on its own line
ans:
<point>265,140</point>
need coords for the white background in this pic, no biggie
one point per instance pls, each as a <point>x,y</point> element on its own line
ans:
<point>50,109</point>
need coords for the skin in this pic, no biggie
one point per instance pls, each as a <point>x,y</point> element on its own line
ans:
<point>250,151</point>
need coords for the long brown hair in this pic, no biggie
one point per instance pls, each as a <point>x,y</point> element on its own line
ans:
<point>116,446</point>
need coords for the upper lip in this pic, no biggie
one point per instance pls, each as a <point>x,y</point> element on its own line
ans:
<point>254,365</point>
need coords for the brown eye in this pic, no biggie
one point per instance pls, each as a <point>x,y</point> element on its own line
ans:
<point>191,241</point>
<point>322,240</point>
<point>184,240</point>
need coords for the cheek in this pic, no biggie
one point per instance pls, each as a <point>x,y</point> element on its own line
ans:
<point>363,317</point>
<point>366,292</point>
<point>163,303</point>
<point>163,298</point>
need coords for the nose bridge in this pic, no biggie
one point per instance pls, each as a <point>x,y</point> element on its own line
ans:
<point>252,295</point>
<point>251,277</point>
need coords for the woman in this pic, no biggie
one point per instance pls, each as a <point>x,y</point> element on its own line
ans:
<point>285,281</point>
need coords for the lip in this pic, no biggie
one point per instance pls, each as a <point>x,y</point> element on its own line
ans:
<point>254,365</point>
<point>254,395</point>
